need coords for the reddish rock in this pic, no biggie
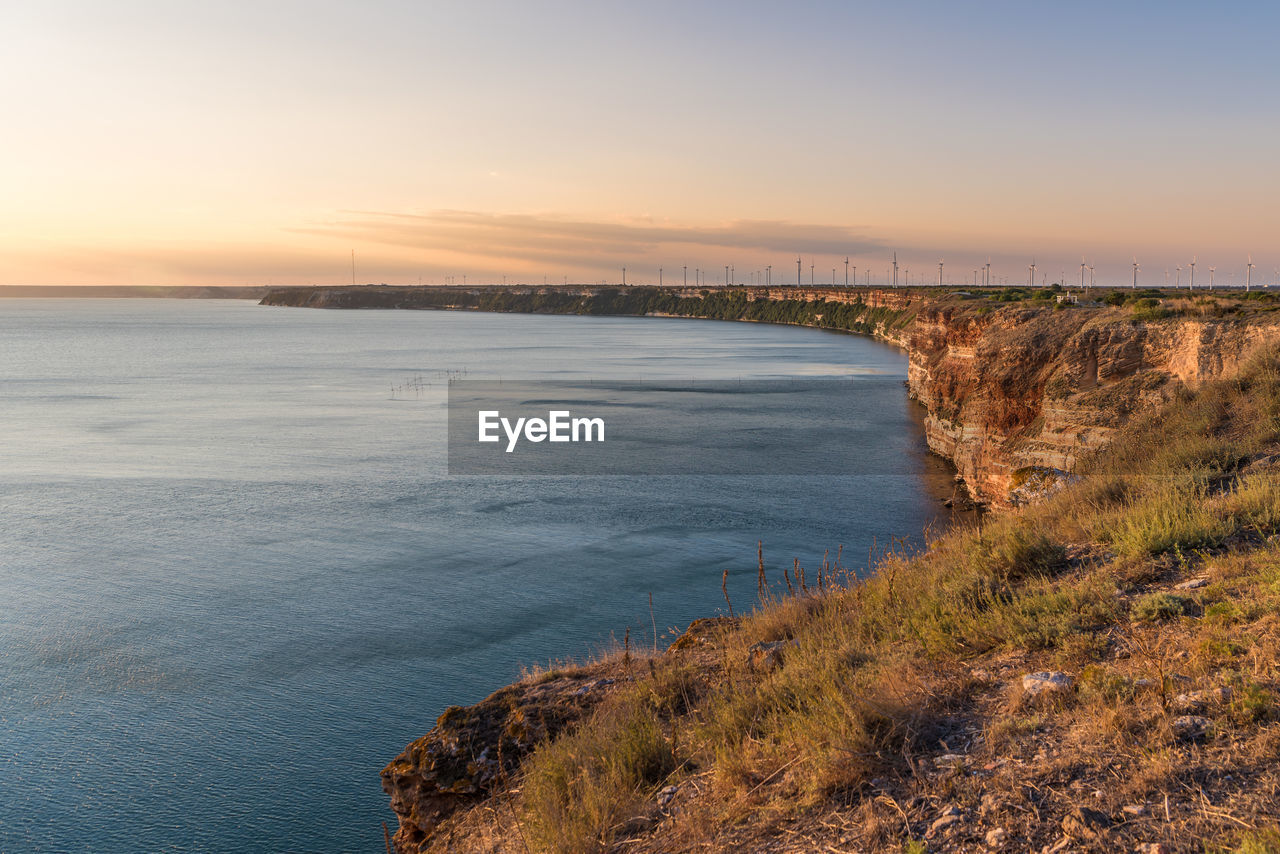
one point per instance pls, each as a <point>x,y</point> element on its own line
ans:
<point>471,750</point>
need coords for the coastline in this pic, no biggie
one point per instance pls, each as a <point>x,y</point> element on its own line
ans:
<point>1013,390</point>
<point>241,292</point>
<point>1018,396</point>
<point>939,675</point>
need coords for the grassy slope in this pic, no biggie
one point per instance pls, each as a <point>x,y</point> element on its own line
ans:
<point>899,697</point>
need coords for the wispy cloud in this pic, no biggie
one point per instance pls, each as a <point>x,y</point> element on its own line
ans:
<point>580,243</point>
<point>399,247</point>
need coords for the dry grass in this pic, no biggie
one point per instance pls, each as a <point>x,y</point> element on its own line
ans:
<point>899,695</point>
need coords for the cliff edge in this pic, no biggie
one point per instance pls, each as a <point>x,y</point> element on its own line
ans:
<point>1095,671</point>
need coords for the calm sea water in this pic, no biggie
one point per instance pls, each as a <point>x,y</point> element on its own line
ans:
<point>235,580</point>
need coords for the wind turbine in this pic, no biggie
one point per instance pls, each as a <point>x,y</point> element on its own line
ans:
<point>846,272</point>
<point>1031,268</point>
<point>1135,272</point>
<point>1211,269</point>
<point>1177,281</point>
<point>1248,275</point>
<point>1082,272</point>
<point>1090,275</point>
<point>1192,286</point>
<point>939,272</point>
<point>798,272</point>
<point>895,269</point>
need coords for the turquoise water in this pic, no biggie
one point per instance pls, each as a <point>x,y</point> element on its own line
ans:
<point>235,580</point>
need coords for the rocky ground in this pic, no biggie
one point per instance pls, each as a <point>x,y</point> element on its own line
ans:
<point>1154,745</point>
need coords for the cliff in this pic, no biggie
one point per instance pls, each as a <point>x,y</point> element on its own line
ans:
<point>1016,390</point>
<point>1020,390</point>
<point>1093,672</point>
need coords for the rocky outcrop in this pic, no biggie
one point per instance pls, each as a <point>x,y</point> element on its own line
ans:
<point>1014,393</point>
<point>473,750</point>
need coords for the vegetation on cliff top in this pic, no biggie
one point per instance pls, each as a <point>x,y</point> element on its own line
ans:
<point>718,304</point>
<point>899,711</point>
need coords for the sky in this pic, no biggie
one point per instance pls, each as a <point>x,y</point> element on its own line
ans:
<point>176,142</point>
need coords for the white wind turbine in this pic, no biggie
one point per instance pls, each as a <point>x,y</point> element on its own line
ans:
<point>1135,272</point>
<point>1192,286</point>
<point>1211,269</point>
<point>1248,274</point>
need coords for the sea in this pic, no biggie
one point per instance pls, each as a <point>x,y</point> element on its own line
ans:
<point>237,578</point>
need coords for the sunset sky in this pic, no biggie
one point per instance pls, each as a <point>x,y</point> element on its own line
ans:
<point>175,142</point>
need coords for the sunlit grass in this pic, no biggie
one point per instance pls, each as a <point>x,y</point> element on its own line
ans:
<point>868,669</point>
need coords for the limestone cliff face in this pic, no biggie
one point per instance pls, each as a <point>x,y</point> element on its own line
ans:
<point>1018,388</point>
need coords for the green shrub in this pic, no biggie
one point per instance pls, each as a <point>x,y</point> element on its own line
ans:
<point>1221,612</point>
<point>1218,650</point>
<point>1260,842</point>
<point>1158,606</point>
<point>1168,516</point>
<point>1099,682</point>
<point>1252,703</point>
